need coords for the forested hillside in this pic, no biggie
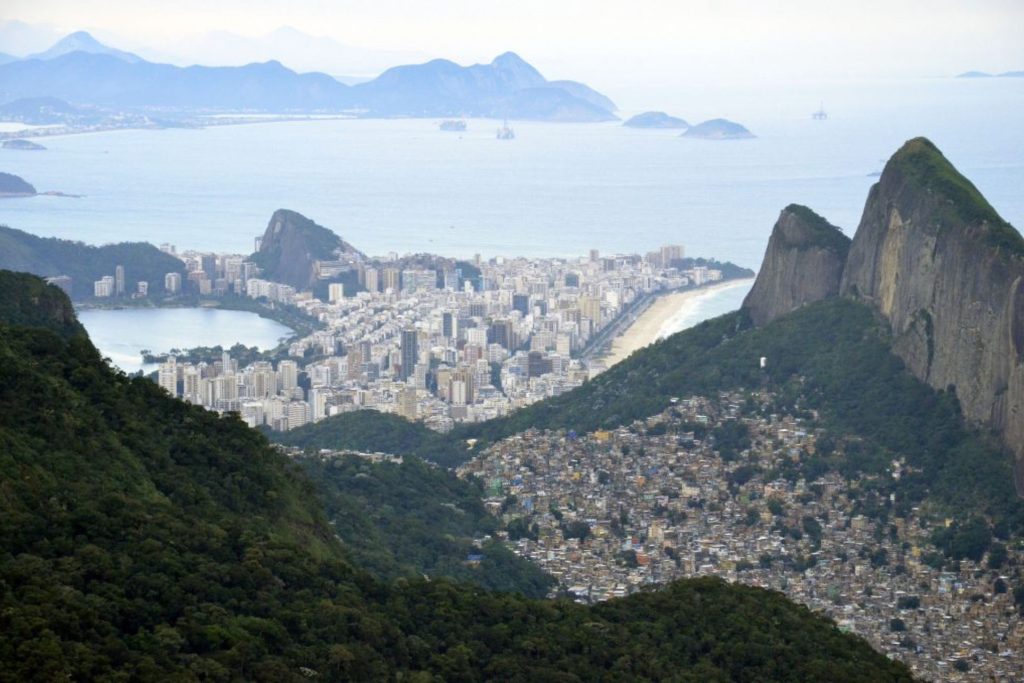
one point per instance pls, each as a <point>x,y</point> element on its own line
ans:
<point>47,256</point>
<point>414,519</point>
<point>142,538</point>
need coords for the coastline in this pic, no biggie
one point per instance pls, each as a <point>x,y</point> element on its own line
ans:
<point>196,124</point>
<point>655,322</point>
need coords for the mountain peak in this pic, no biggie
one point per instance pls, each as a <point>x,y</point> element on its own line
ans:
<point>509,58</point>
<point>803,264</point>
<point>522,72</point>
<point>83,41</point>
<point>291,246</point>
<point>919,164</point>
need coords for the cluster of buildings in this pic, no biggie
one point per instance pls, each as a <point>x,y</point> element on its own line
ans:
<point>208,274</point>
<point>610,512</point>
<point>107,286</point>
<point>441,344</point>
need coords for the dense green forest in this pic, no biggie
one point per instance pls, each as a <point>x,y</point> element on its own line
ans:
<point>372,431</point>
<point>47,256</point>
<point>142,538</point>
<point>413,519</point>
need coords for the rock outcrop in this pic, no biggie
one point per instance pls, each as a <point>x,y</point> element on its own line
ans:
<point>934,258</point>
<point>948,274</point>
<point>293,244</point>
<point>803,264</point>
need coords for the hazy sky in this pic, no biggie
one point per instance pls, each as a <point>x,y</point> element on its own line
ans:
<point>639,42</point>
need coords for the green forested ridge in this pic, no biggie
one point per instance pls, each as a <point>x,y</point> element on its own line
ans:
<point>142,538</point>
<point>373,431</point>
<point>47,256</point>
<point>411,519</point>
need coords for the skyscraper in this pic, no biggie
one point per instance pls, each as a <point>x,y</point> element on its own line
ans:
<point>372,280</point>
<point>119,280</point>
<point>392,279</point>
<point>410,353</point>
<point>172,283</point>
<point>288,370</point>
<point>167,377</point>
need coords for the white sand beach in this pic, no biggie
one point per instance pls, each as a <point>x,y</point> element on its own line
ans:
<point>668,314</point>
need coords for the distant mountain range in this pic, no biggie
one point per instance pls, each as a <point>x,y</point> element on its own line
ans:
<point>81,70</point>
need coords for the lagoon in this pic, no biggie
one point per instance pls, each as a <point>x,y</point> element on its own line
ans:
<point>122,334</point>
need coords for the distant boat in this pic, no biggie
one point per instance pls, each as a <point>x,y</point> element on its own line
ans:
<point>820,115</point>
<point>453,125</point>
<point>506,133</point>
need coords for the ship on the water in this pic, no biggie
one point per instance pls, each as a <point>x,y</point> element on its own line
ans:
<point>453,125</point>
<point>505,132</point>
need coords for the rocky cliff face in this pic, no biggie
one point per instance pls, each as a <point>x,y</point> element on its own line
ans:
<point>291,246</point>
<point>948,273</point>
<point>803,263</point>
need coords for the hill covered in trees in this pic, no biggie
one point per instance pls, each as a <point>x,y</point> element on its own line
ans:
<point>142,538</point>
<point>412,519</point>
<point>372,431</point>
<point>48,256</point>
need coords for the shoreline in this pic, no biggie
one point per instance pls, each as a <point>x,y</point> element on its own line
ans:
<point>649,327</point>
<point>55,132</point>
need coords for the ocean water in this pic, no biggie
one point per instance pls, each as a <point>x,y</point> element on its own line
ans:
<point>558,189</point>
<point>705,306</point>
<point>121,334</point>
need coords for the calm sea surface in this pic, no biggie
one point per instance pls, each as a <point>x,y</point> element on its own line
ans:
<point>558,189</point>
<point>122,334</point>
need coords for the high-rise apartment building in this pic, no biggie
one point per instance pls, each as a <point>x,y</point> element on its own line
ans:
<point>172,283</point>
<point>288,372</point>
<point>410,353</point>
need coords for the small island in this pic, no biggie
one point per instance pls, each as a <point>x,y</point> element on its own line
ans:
<point>718,129</point>
<point>453,125</point>
<point>655,119</point>
<point>26,145</point>
<point>14,186</point>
